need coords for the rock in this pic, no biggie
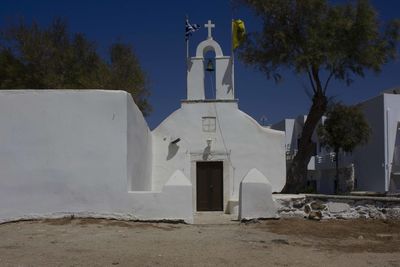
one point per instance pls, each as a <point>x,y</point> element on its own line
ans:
<point>315,215</point>
<point>363,216</point>
<point>298,213</point>
<point>307,209</point>
<point>336,207</point>
<point>376,214</point>
<point>283,202</point>
<point>326,215</point>
<point>393,213</point>
<point>298,204</point>
<point>317,205</point>
<point>360,237</point>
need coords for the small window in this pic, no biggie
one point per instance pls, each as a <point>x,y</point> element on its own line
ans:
<point>209,124</point>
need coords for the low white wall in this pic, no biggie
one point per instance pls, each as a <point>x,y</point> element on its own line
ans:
<point>172,203</point>
<point>78,152</point>
<point>255,200</point>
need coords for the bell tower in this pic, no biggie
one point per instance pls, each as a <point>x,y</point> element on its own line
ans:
<point>196,66</point>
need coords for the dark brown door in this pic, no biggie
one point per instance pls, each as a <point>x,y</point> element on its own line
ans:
<point>209,186</point>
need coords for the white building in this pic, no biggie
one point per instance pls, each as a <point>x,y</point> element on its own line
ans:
<point>215,136</point>
<point>90,153</point>
<point>376,165</point>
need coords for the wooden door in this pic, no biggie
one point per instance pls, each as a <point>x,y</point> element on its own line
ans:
<point>209,177</point>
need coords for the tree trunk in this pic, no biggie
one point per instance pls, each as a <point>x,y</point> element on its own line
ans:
<point>297,172</point>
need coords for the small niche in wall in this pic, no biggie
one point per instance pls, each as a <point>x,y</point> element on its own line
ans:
<point>209,124</point>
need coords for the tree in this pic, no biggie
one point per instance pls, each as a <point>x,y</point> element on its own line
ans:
<point>323,42</point>
<point>32,57</point>
<point>343,130</point>
<point>125,72</point>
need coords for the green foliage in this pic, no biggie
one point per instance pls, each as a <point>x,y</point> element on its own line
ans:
<point>32,57</point>
<point>312,35</point>
<point>344,128</point>
<point>323,41</point>
<point>125,72</point>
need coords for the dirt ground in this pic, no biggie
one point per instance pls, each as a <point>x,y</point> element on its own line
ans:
<point>284,242</point>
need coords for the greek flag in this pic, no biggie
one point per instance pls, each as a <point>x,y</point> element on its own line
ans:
<point>190,28</point>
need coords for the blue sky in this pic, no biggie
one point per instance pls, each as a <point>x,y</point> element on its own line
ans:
<point>156,30</point>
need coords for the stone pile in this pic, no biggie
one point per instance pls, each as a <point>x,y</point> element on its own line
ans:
<point>317,207</point>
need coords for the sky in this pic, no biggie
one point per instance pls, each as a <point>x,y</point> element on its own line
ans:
<point>156,31</point>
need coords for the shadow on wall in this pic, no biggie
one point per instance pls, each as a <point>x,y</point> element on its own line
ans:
<point>206,152</point>
<point>189,64</point>
<point>172,150</point>
<point>227,79</point>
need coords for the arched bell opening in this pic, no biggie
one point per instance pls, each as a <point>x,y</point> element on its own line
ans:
<point>209,75</point>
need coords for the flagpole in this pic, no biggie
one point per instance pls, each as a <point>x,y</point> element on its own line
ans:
<point>232,50</point>
<point>187,49</point>
<point>233,58</point>
<point>187,42</point>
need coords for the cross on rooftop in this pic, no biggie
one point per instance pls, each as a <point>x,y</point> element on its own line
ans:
<point>209,25</point>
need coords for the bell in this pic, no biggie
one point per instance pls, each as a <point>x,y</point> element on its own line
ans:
<point>210,66</point>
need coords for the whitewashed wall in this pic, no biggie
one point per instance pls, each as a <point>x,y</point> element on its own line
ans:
<point>287,126</point>
<point>139,145</point>
<point>78,152</point>
<point>239,141</point>
<point>173,202</point>
<point>369,160</point>
<point>392,109</point>
<point>374,161</point>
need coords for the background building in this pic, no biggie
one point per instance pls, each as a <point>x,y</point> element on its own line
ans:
<point>371,167</point>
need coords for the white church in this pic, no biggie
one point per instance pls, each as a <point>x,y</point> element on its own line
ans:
<point>90,153</point>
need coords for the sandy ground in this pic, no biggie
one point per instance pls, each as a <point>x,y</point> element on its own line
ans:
<point>284,242</point>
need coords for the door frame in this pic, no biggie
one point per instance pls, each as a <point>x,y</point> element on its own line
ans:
<point>227,179</point>
<point>220,195</point>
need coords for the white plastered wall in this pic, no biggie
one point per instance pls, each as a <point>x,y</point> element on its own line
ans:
<point>392,121</point>
<point>369,159</point>
<point>139,149</point>
<point>239,141</point>
<point>195,78</point>
<point>80,152</point>
<point>224,78</point>
<point>256,197</point>
<point>224,75</point>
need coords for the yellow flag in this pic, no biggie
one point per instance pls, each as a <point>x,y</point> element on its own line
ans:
<point>238,33</point>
